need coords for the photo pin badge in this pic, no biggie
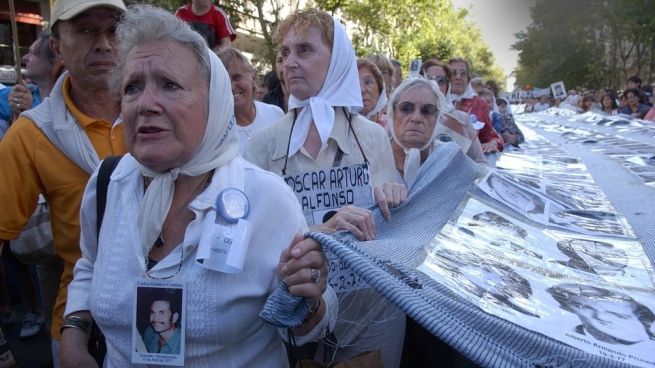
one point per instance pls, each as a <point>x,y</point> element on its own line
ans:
<point>232,204</point>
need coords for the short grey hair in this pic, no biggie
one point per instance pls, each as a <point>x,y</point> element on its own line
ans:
<point>144,23</point>
<point>410,83</point>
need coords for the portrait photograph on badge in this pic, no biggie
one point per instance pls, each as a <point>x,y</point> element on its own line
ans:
<point>159,323</point>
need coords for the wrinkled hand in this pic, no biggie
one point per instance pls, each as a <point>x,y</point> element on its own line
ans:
<point>490,147</point>
<point>73,351</point>
<point>357,220</point>
<point>296,264</point>
<point>20,98</point>
<point>389,195</point>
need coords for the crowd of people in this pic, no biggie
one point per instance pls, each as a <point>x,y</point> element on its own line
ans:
<point>198,204</point>
<point>635,100</point>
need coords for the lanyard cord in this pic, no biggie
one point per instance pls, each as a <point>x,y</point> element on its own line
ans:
<point>286,158</point>
<point>350,125</point>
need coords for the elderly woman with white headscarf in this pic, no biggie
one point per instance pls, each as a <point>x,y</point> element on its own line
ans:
<point>413,113</point>
<point>322,128</point>
<point>374,92</point>
<point>334,159</point>
<point>184,212</point>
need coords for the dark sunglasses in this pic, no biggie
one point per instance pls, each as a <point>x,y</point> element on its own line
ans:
<point>407,108</point>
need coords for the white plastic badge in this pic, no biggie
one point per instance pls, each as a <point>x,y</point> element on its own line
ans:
<point>223,247</point>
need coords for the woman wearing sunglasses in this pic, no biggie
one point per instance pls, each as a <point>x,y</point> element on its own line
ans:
<point>412,115</point>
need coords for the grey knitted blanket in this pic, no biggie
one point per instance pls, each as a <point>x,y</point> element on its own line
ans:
<point>388,264</point>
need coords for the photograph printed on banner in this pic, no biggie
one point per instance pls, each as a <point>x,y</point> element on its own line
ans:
<point>487,229</point>
<point>572,191</point>
<point>493,286</point>
<point>561,256</point>
<point>566,303</point>
<point>159,323</point>
<point>604,321</point>
<point>580,197</point>
<point>621,263</point>
<point>519,198</point>
<point>589,221</point>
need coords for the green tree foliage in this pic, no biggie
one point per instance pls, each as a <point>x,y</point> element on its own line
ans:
<point>587,43</point>
<point>403,29</point>
<point>410,29</point>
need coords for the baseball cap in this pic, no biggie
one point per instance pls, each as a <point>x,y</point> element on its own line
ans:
<point>68,9</point>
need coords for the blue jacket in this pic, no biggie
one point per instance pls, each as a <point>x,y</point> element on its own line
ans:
<point>5,110</point>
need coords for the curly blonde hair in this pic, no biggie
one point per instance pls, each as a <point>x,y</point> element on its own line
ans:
<point>302,20</point>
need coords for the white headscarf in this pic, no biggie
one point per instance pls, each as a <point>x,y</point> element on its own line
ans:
<point>341,88</point>
<point>381,104</point>
<point>219,145</point>
<point>468,94</point>
<point>413,155</point>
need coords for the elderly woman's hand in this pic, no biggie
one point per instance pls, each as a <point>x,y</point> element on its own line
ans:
<point>20,98</point>
<point>303,268</point>
<point>358,221</point>
<point>73,350</point>
<point>389,195</point>
<point>490,147</point>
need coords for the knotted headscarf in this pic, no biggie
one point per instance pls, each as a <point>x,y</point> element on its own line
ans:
<point>219,145</point>
<point>413,155</point>
<point>380,105</point>
<point>340,88</point>
<point>469,93</point>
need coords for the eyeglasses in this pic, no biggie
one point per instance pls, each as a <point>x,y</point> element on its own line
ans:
<point>369,82</point>
<point>461,73</point>
<point>408,108</point>
<point>441,80</point>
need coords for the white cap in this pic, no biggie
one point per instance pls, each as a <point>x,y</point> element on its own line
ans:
<point>68,9</point>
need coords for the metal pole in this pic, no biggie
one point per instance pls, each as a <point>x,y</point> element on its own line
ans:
<point>17,62</point>
<point>14,31</point>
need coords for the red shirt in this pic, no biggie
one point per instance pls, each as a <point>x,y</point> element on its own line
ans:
<point>215,18</point>
<point>480,109</point>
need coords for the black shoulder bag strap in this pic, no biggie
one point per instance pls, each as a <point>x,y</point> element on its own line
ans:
<point>97,346</point>
<point>106,168</point>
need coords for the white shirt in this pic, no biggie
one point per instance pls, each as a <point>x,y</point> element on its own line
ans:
<point>268,148</point>
<point>366,320</point>
<point>222,316</point>
<point>265,115</point>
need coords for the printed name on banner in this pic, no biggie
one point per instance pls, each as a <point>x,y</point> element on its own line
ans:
<point>320,191</point>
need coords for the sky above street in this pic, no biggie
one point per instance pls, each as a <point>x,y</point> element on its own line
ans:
<point>498,21</point>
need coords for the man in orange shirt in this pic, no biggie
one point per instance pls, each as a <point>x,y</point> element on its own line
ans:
<point>53,148</point>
